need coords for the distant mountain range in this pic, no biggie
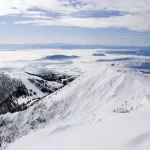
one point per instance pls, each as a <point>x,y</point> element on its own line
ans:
<point>67,46</point>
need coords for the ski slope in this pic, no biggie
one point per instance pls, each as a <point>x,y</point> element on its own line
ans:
<point>106,108</point>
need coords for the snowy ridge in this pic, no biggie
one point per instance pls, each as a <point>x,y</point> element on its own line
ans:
<point>19,90</point>
<point>103,96</point>
<point>24,77</point>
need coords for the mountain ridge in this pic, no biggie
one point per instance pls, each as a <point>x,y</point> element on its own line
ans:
<point>98,95</point>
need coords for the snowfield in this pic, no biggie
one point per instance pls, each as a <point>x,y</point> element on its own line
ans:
<point>122,132</point>
<point>106,108</point>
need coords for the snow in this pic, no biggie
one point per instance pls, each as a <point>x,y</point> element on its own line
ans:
<point>125,132</point>
<point>22,76</point>
<point>106,108</point>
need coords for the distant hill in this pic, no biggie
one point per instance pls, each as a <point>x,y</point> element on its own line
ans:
<point>66,46</point>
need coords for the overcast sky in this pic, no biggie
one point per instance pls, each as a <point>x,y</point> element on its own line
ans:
<point>109,22</point>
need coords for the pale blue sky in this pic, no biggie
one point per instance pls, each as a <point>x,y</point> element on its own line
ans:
<point>77,22</point>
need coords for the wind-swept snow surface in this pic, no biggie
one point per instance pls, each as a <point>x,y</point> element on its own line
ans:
<point>106,108</point>
<point>121,132</point>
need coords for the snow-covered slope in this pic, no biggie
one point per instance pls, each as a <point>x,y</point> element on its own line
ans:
<point>33,86</point>
<point>119,132</point>
<point>106,97</point>
<point>19,90</point>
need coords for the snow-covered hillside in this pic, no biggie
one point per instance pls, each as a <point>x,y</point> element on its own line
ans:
<point>19,90</point>
<point>106,108</point>
<point>117,132</point>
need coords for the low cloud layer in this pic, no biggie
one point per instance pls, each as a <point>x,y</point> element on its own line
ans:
<point>131,14</point>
